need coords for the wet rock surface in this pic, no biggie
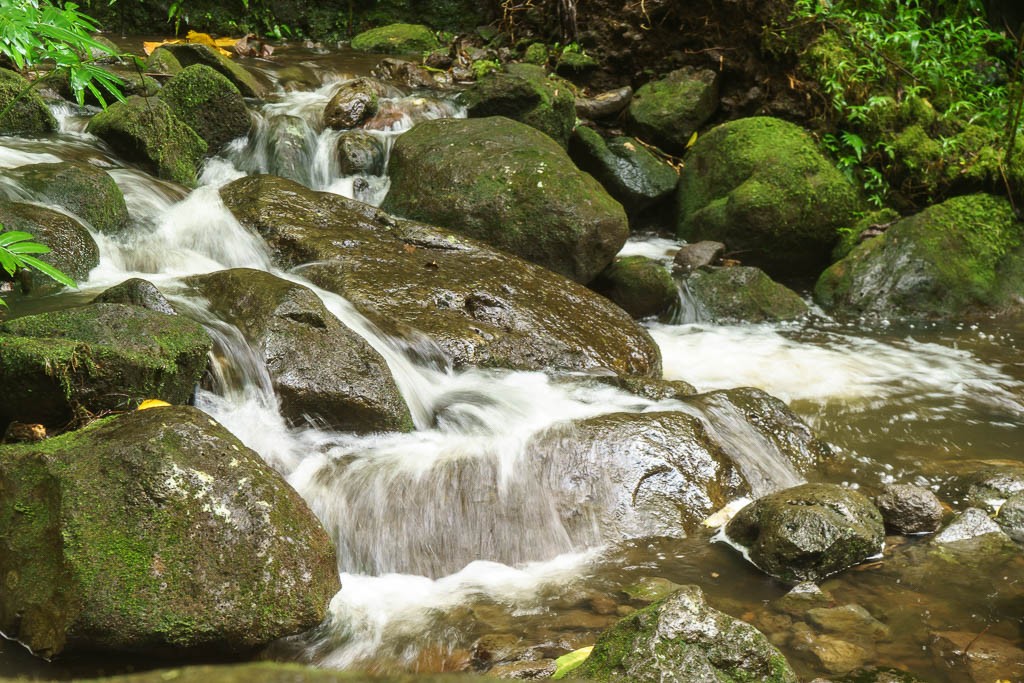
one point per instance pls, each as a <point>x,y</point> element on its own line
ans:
<point>478,305</point>
<point>126,532</point>
<point>667,111</point>
<point>808,532</point>
<point>73,251</point>
<point>742,294</point>
<point>83,189</point>
<point>643,287</point>
<point>209,103</point>
<point>353,103</point>
<point>525,93</point>
<point>319,368</point>
<point>504,183</point>
<point>137,292</point>
<point>690,257</point>
<point>909,509</point>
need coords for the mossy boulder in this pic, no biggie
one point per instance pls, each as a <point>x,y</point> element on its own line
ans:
<point>73,251</point>
<point>134,83</point>
<point>209,103</point>
<point>742,294</point>
<point>137,292</point>
<point>396,39</point>
<point>186,54</point>
<point>29,115</point>
<point>360,152</point>
<point>762,186</point>
<point>575,64</point>
<point>627,169</point>
<point>64,365</point>
<point>156,532</point>
<point>319,367</point>
<point>353,102</point>
<point>668,111</point>
<point>808,532</point>
<point>81,188</point>
<point>146,131</point>
<point>163,61</point>
<point>682,638</point>
<point>642,286</point>
<point>477,304</point>
<point>511,186</point>
<point>525,93</point>
<point>964,256</point>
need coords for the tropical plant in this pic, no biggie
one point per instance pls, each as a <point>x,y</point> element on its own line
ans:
<point>18,250</point>
<point>36,32</point>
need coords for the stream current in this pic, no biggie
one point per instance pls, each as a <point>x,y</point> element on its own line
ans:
<point>444,534</point>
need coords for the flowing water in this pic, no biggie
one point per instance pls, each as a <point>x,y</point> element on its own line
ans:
<point>452,533</point>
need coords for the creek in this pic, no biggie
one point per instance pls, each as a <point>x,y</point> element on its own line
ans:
<point>447,534</point>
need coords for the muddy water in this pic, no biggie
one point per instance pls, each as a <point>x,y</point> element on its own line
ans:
<point>899,403</point>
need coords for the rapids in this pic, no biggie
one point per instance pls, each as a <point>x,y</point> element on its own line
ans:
<point>447,533</point>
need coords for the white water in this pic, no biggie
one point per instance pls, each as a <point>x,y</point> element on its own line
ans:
<point>455,513</point>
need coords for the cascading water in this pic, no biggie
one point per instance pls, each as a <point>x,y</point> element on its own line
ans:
<point>454,531</point>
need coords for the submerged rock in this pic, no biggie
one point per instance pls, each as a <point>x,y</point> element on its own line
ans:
<point>642,286</point>
<point>962,257</point>
<point>146,131</point>
<point>397,39</point>
<point>28,114</point>
<point>73,251</point>
<point>742,294</point>
<point>320,369</point>
<point>156,532</point>
<point>525,93</point>
<point>83,189</point>
<point>808,532</point>
<point>683,639</point>
<point>481,306</point>
<point>982,657</point>
<point>762,186</point>
<point>504,183</point>
<point>209,103</point>
<point>668,111</point>
<point>64,365</point>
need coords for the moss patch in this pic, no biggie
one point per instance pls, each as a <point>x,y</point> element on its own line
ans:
<point>28,114</point>
<point>208,103</point>
<point>396,39</point>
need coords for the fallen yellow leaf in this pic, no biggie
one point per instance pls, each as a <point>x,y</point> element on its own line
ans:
<point>152,403</point>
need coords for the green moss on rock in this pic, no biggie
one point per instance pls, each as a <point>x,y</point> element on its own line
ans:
<point>145,130</point>
<point>668,111</point>
<point>249,83</point>
<point>83,189</point>
<point>762,186</point>
<point>511,186</point>
<point>28,114</point>
<point>743,294</point>
<point>961,257</point>
<point>396,39</point>
<point>208,103</point>
<point>643,287</point>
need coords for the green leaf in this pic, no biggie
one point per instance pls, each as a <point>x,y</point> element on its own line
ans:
<point>13,236</point>
<point>29,248</point>
<point>571,661</point>
<point>47,269</point>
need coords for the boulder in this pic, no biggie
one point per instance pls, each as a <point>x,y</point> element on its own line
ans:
<point>65,365</point>
<point>962,257</point>
<point>209,103</point>
<point>29,115</point>
<point>690,257</point>
<point>406,74</point>
<point>353,102</point>
<point>742,294</point>
<point>668,111</point>
<point>762,186</point>
<point>682,638</point>
<point>808,532</point>
<point>642,286</point>
<point>291,140</point>
<point>1011,517</point>
<point>156,532</point>
<point>909,509</point>
<point>137,292</point>
<point>627,169</point>
<point>360,152</point>
<point>505,183</point>
<point>481,306</point>
<point>146,131</point>
<point>396,39</point>
<point>187,54</point>
<point>525,93</point>
<point>604,105</point>
<point>320,369</point>
<point>970,524</point>
<point>73,250</point>
<point>577,65</point>
<point>162,61</point>
<point>81,188</point>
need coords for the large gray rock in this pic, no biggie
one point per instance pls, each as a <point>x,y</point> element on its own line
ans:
<point>762,186</point>
<point>319,367</point>
<point>73,251</point>
<point>682,638</point>
<point>668,111</point>
<point>209,103</point>
<point>481,306</point>
<point>156,532</point>
<point>525,93</point>
<point>67,365</point>
<point>962,257</point>
<point>504,183</point>
<point>83,189</point>
<point>808,532</point>
<point>146,131</point>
